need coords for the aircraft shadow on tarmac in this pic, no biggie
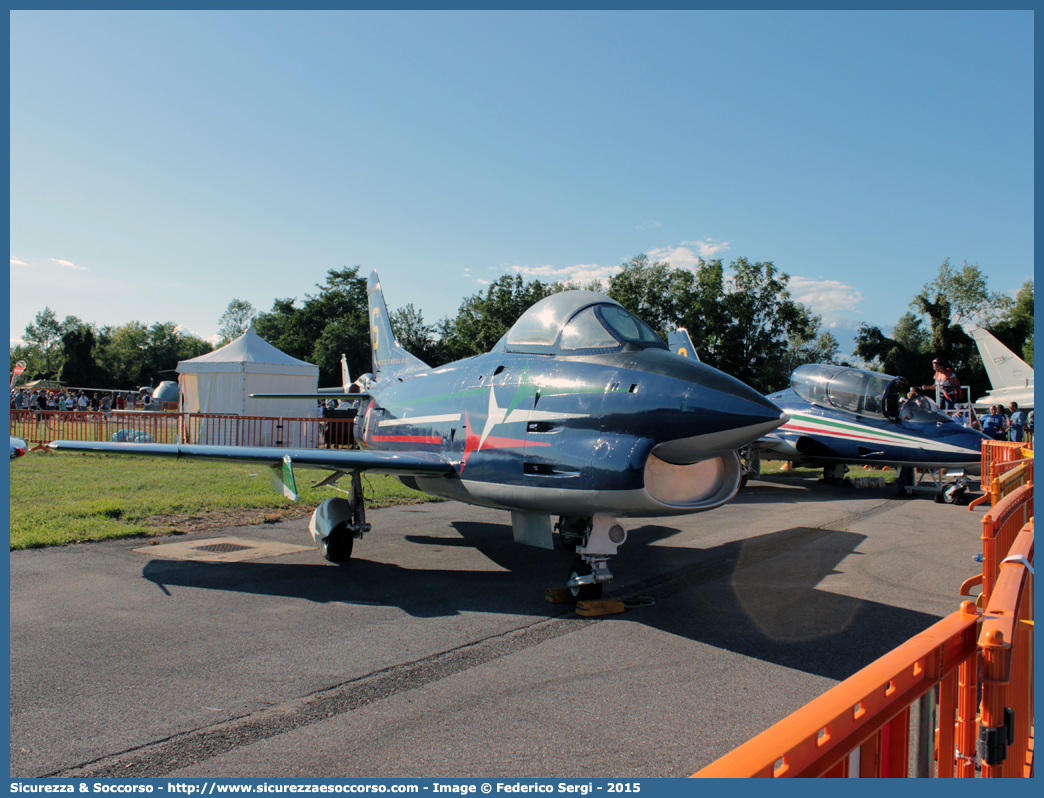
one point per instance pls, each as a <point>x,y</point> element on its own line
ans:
<point>757,597</point>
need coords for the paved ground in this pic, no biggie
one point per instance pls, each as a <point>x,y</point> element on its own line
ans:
<point>434,654</point>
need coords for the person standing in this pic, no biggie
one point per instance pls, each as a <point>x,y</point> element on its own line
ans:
<point>946,385</point>
<point>993,424</point>
<point>1016,422</point>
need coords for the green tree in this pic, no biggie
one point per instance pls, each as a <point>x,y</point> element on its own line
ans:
<point>649,291</point>
<point>327,324</point>
<point>483,319</point>
<point>236,320</point>
<point>416,337</point>
<point>79,367</point>
<point>1016,331</point>
<point>762,319</point>
<point>41,337</point>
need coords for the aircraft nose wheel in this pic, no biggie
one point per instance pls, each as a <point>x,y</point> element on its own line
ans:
<point>584,590</point>
<point>338,546</point>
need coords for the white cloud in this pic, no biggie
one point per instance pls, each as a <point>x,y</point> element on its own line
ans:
<point>480,281</point>
<point>582,273</point>
<point>824,296</point>
<point>688,254</point>
<point>708,247</point>
<point>70,264</point>
<point>16,262</point>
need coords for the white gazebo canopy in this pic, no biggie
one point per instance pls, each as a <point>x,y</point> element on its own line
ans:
<point>220,382</point>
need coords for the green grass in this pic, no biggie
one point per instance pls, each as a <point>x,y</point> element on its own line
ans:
<point>60,498</point>
<point>773,468</point>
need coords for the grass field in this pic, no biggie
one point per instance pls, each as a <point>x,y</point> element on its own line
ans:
<point>60,498</point>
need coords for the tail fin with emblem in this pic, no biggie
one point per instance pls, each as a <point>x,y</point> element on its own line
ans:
<point>1004,368</point>
<point>389,359</point>
<point>680,343</point>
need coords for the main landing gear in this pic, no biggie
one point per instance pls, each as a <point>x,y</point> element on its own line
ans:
<point>336,523</point>
<point>595,540</point>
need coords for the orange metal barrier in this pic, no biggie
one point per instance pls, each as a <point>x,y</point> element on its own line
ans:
<point>1006,720</point>
<point>1005,477</point>
<point>37,427</point>
<point>995,452</point>
<point>1000,526</point>
<point>862,726</point>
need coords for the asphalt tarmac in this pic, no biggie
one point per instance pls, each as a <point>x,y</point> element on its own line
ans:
<point>433,653</point>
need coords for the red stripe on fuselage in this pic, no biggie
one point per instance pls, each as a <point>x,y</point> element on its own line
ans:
<point>838,433</point>
<point>407,438</point>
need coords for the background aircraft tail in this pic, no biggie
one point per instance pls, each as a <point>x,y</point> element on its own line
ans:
<point>1004,368</point>
<point>681,344</point>
<point>389,359</point>
<point>346,377</point>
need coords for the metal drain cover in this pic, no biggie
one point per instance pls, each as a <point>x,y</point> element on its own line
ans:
<point>223,547</point>
<point>227,549</point>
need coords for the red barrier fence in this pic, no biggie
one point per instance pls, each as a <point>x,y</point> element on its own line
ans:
<point>37,427</point>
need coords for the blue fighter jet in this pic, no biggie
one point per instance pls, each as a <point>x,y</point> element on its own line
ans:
<point>839,415</point>
<point>579,412</point>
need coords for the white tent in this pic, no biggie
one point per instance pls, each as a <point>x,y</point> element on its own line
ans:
<point>220,383</point>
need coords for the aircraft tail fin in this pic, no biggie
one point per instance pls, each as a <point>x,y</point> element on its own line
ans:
<point>1004,368</point>
<point>346,377</point>
<point>681,344</point>
<point>388,357</point>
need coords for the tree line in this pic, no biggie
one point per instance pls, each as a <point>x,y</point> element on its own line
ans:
<point>742,320</point>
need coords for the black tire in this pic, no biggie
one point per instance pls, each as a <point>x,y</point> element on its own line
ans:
<point>337,547</point>
<point>584,592</point>
<point>743,480</point>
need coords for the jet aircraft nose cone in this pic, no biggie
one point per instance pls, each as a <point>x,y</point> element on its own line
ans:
<point>719,414</point>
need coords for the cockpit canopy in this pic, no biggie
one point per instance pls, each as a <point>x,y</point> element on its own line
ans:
<point>856,391</point>
<point>574,322</point>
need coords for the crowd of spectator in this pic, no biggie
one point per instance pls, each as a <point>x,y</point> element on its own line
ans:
<point>60,400</point>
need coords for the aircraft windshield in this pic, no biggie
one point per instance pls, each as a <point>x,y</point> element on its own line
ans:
<point>586,321</point>
<point>922,410</point>
<point>541,324</point>
<point>852,390</point>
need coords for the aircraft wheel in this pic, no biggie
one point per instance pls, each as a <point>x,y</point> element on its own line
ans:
<point>743,480</point>
<point>337,547</point>
<point>584,592</point>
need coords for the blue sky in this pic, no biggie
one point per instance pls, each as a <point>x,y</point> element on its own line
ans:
<point>163,163</point>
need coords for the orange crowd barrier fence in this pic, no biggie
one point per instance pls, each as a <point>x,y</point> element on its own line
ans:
<point>1000,526</point>
<point>866,725</point>
<point>915,711</point>
<point>993,453</point>
<point>39,427</point>
<point>1006,719</point>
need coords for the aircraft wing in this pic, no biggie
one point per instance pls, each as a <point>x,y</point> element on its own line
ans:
<point>323,393</point>
<point>417,464</point>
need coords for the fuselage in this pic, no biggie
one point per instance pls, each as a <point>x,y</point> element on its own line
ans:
<point>816,436</point>
<point>629,433</point>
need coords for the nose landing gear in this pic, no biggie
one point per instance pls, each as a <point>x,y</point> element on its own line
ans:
<point>595,540</point>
